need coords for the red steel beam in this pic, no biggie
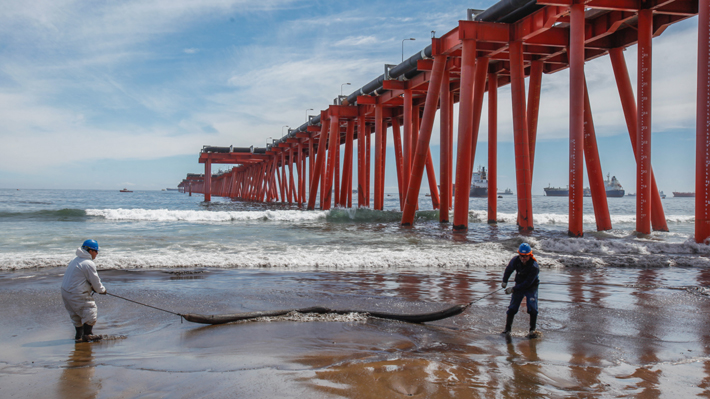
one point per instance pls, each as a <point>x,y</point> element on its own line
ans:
<point>643,166</point>
<point>702,133</point>
<point>576,123</point>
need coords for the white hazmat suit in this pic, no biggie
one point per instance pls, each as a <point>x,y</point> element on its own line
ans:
<point>79,280</point>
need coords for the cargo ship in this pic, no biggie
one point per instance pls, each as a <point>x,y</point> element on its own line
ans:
<point>506,192</point>
<point>680,194</point>
<point>612,186</point>
<point>479,183</point>
<point>556,191</point>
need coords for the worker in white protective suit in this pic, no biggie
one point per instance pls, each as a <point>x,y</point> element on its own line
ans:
<point>80,281</point>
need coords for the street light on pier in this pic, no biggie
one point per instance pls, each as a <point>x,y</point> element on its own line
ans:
<point>309,109</point>
<point>404,40</point>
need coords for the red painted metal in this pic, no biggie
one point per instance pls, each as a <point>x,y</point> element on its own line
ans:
<point>208,180</point>
<point>407,139</point>
<point>336,174</point>
<point>702,138</point>
<point>463,157</point>
<point>432,100</point>
<point>368,155</point>
<point>445,147</point>
<point>379,172</point>
<point>594,168</point>
<point>397,140</point>
<point>317,171</point>
<point>361,161</point>
<point>628,104</point>
<point>643,166</point>
<point>431,177</point>
<point>520,137</point>
<point>347,163</point>
<point>576,123</point>
<point>492,148</point>
<point>534,88</point>
<point>333,142</point>
<point>479,90</point>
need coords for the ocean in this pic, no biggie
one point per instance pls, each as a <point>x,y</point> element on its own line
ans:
<point>169,229</point>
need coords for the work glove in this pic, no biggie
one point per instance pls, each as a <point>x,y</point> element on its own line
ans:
<point>503,284</point>
<point>509,290</point>
<point>105,292</point>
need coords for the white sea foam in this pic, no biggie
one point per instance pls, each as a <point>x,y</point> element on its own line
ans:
<point>563,219</point>
<point>166,215</point>
<point>400,256</point>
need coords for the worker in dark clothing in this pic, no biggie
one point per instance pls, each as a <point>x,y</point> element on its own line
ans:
<point>526,282</point>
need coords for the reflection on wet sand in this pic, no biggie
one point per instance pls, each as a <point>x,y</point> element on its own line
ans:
<point>648,334</point>
<point>704,336</point>
<point>526,381</point>
<point>586,365</point>
<point>76,381</point>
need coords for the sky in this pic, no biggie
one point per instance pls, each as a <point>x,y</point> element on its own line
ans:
<point>107,95</point>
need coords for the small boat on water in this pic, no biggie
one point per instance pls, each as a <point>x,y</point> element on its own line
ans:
<point>681,194</point>
<point>125,190</point>
<point>662,194</point>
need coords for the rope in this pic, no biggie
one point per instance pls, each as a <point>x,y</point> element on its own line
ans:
<point>490,293</point>
<point>130,300</point>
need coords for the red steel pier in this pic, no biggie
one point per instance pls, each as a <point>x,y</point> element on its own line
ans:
<point>504,44</point>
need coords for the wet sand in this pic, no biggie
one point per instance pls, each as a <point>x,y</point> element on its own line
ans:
<point>606,333</point>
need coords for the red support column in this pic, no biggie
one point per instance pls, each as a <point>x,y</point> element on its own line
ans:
<point>407,139</point>
<point>702,133</point>
<point>379,155</point>
<point>347,162</point>
<point>300,170</point>
<point>397,139</point>
<point>432,101</point>
<point>292,193</point>
<point>208,180</point>
<point>628,103</point>
<point>594,168</point>
<point>520,136</point>
<point>361,161</point>
<point>535,87</point>
<point>445,154</point>
<point>463,156</point>
<point>492,148</point>
<point>311,165</point>
<point>333,141</point>
<point>336,174</point>
<point>368,156</point>
<point>643,166</point>
<point>479,89</point>
<point>431,177</point>
<point>318,167</point>
<point>576,121</point>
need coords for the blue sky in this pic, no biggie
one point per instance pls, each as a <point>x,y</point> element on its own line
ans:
<point>106,95</point>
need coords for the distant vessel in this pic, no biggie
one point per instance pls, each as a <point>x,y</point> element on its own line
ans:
<point>634,194</point>
<point>479,183</point>
<point>612,186</point>
<point>556,191</point>
<point>679,194</point>
<point>125,190</point>
<point>172,189</point>
<point>662,194</point>
<point>506,192</point>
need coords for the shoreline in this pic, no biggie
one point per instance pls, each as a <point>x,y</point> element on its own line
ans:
<point>610,332</point>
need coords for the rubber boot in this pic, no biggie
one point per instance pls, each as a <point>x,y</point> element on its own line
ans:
<point>533,326</point>
<point>509,323</point>
<point>88,335</point>
<point>79,333</point>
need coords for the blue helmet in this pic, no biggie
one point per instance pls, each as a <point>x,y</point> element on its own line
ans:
<point>524,249</point>
<point>90,244</point>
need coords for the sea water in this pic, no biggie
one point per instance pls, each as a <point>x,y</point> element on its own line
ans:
<point>169,229</point>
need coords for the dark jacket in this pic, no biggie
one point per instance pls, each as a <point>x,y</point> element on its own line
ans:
<point>526,275</point>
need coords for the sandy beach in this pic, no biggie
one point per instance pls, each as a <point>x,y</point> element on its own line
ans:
<point>606,333</point>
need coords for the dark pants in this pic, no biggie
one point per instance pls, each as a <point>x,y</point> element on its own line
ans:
<point>531,300</point>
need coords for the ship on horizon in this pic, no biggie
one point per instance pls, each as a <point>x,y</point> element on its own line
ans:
<point>556,191</point>
<point>682,194</point>
<point>611,185</point>
<point>479,183</point>
<point>506,192</point>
